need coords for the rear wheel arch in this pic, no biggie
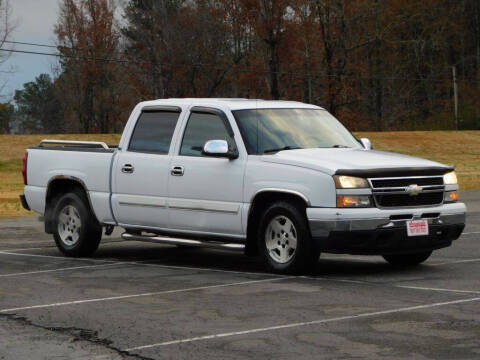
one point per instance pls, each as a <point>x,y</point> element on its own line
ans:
<point>261,201</point>
<point>59,186</point>
<point>75,229</point>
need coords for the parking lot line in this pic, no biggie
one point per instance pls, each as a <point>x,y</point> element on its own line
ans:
<point>306,323</point>
<point>52,257</point>
<point>122,297</point>
<point>55,270</point>
<point>204,269</point>
<point>144,263</point>
<point>350,281</point>
<point>371,283</point>
<point>455,262</point>
<point>437,289</point>
<point>471,232</point>
<point>22,249</point>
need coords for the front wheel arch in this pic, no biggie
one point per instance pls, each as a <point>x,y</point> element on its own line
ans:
<point>290,218</point>
<point>262,200</point>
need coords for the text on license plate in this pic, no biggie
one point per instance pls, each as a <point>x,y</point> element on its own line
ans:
<point>417,227</point>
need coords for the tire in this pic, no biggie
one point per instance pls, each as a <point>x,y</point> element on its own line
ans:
<point>407,259</point>
<point>76,231</point>
<point>284,239</point>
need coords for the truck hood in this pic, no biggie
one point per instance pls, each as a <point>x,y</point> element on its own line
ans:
<point>357,162</point>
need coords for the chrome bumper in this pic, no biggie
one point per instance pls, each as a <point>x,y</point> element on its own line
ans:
<point>323,221</point>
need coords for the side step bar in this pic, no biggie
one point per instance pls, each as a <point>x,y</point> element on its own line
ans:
<point>187,242</point>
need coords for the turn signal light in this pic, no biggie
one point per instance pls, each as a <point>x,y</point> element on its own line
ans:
<point>350,201</point>
<point>451,196</point>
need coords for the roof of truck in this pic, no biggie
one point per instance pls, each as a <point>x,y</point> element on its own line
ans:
<point>232,103</point>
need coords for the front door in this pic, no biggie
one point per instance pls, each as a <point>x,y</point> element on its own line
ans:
<point>141,171</point>
<point>205,193</point>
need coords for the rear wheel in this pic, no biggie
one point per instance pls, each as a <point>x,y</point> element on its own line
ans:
<point>408,259</point>
<point>284,239</point>
<point>76,230</point>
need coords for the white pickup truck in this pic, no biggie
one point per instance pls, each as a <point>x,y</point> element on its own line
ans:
<point>281,179</point>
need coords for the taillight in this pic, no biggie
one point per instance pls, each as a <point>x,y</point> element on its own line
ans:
<point>24,168</point>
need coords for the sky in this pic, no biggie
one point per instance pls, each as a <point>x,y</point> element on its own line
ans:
<point>35,20</point>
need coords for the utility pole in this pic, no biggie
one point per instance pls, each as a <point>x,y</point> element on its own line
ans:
<point>455,94</point>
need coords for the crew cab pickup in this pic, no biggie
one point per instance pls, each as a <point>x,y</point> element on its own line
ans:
<point>280,179</point>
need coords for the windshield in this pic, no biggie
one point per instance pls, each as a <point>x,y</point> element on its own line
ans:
<point>266,131</point>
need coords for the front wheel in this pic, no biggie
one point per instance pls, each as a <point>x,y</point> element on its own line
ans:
<point>76,231</point>
<point>408,259</point>
<point>284,239</point>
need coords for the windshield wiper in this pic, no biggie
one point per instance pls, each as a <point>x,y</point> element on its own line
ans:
<point>340,146</point>
<point>288,147</point>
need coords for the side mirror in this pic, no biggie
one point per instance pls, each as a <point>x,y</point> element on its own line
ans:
<point>219,148</point>
<point>367,144</point>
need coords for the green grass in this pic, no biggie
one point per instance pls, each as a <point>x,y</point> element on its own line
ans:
<point>457,148</point>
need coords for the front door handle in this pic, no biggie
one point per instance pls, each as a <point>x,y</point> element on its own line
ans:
<point>128,168</point>
<point>177,170</point>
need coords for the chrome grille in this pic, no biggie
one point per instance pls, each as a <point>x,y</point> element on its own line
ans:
<point>407,191</point>
<point>402,182</point>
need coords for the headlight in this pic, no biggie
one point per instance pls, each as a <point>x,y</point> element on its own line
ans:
<point>450,178</point>
<point>350,182</point>
<point>353,201</point>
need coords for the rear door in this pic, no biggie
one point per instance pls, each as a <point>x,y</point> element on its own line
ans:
<point>141,170</point>
<point>205,193</point>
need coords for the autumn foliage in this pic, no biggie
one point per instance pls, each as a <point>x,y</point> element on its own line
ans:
<point>376,65</point>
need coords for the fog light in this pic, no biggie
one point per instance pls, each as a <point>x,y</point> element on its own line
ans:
<point>450,197</point>
<point>350,201</point>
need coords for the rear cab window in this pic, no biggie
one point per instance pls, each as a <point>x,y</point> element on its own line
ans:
<point>153,131</point>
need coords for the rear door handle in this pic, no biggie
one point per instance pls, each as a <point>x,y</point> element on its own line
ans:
<point>128,168</point>
<point>177,170</point>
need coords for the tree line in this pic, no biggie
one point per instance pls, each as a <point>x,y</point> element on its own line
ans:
<point>375,64</point>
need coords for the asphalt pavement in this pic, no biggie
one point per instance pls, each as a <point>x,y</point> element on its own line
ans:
<point>148,301</point>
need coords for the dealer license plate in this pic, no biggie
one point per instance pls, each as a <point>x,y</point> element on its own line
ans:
<point>417,227</point>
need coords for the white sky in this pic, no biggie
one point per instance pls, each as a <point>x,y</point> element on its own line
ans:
<point>35,20</point>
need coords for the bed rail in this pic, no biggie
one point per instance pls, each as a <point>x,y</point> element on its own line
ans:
<point>98,144</point>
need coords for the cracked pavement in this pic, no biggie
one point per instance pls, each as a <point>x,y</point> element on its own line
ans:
<point>149,301</point>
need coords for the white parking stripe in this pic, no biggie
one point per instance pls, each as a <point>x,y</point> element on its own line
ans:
<point>122,297</point>
<point>437,289</point>
<point>52,257</point>
<point>362,282</point>
<point>453,262</point>
<point>306,323</point>
<point>55,270</point>
<point>142,262</point>
<point>22,249</point>
<point>471,232</point>
<point>204,269</point>
<point>380,284</point>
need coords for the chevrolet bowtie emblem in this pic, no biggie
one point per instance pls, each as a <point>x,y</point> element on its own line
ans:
<point>413,190</point>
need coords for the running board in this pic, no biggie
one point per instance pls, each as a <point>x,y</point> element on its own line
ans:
<point>187,242</point>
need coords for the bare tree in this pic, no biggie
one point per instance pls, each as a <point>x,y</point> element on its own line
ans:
<point>7,25</point>
<point>88,42</point>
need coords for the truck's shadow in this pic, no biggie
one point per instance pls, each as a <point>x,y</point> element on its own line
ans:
<point>231,261</point>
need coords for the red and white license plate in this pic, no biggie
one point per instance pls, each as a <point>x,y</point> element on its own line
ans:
<point>417,227</point>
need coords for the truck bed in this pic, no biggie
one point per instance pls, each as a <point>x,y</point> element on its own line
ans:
<point>87,162</point>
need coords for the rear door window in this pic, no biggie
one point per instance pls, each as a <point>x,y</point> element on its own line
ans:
<point>153,132</point>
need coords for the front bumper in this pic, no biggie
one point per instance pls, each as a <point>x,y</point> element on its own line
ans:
<point>373,231</point>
